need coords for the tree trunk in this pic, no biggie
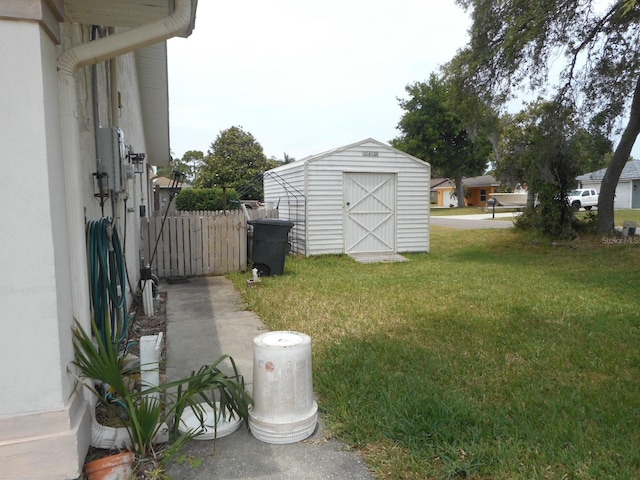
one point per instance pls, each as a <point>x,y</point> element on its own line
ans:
<point>460,191</point>
<point>620,157</point>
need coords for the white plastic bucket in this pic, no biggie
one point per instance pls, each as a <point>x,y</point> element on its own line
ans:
<point>283,410</point>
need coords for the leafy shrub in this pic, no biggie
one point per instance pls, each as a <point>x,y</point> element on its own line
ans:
<point>552,216</point>
<point>191,199</point>
<point>587,223</point>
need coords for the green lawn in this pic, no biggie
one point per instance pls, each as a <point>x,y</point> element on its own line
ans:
<point>492,357</point>
<point>622,215</point>
<point>439,212</point>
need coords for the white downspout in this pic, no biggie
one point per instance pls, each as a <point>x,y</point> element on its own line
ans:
<point>68,62</point>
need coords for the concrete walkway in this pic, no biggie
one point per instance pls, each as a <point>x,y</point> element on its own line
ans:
<point>206,318</point>
<point>482,216</point>
<point>476,221</point>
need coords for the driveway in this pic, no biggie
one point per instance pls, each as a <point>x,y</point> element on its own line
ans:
<point>479,221</point>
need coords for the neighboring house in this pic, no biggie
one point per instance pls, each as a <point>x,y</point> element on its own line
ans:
<point>366,197</point>
<point>477,191</point>
<point>436,184</point>
<point>84,87</point>
<point>628,189</point>
<point>163,189</point>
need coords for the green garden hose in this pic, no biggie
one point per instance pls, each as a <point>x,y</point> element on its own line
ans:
<point>107,280</point>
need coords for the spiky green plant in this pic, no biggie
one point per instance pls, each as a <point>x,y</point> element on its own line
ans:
<point>144,413</point>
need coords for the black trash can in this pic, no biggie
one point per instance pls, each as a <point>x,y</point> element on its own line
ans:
<point>269,245</point>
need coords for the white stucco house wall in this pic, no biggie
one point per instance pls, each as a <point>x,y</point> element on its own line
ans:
<point>627,190</point>
<point>366,197</point>
<point>70,69</point>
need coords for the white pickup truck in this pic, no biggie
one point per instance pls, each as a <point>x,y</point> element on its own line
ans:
<point>583,198</point>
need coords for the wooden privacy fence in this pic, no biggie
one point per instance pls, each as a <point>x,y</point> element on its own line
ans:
<point>199,243</point>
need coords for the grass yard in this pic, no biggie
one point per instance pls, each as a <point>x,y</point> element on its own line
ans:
<point>440,211</point>
<point>622,215</point>
<point>493,357</point>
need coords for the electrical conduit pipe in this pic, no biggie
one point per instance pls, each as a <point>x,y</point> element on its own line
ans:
<point>150,350</point>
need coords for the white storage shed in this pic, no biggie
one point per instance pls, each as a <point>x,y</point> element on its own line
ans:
<point>366,197</point>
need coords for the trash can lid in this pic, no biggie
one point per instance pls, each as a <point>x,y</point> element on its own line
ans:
<point>270,221</point>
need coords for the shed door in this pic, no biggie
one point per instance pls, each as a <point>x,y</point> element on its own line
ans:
<point>370,212</point>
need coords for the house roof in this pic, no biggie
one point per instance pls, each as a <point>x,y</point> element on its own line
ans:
<point>123,13</point>
<point>151,62</point>
<point>328,153</point>
<point>151,65</point>
<point>440,182</point>
<point>631,171</point>
<point>164,182</point>
<point>481,181</point>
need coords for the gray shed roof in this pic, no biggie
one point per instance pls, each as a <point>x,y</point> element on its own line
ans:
<point>631,171</point>
<point>328,153</point>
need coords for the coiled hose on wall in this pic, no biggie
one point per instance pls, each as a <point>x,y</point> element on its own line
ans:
<point>107,279</point>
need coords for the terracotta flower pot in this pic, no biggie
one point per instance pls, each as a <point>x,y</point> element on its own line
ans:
<point>113,467</point>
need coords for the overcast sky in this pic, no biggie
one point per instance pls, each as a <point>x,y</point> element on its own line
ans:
<point>305,77</point>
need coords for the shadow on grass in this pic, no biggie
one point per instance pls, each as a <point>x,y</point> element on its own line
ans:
<point>477,413</point>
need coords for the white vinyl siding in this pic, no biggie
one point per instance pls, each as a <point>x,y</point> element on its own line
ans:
<point>320,178</point>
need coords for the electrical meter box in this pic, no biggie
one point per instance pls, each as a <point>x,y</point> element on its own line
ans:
<point>112,158</point>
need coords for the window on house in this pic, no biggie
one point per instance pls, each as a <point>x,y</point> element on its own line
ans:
<point>483,195</point>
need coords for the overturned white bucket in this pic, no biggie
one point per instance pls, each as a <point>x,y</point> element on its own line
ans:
<point>283,408</point>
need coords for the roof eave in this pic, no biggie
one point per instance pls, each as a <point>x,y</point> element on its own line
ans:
<point>124,13</point>
<point>151,64</point>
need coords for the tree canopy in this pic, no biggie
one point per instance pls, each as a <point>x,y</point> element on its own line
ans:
<point>191,163</point>
<point>235,160</point>
<point>518,44</point>
<point>432,132</point>
<point>544,147</point>
<point>531,138</point>
<point>210,199</point>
